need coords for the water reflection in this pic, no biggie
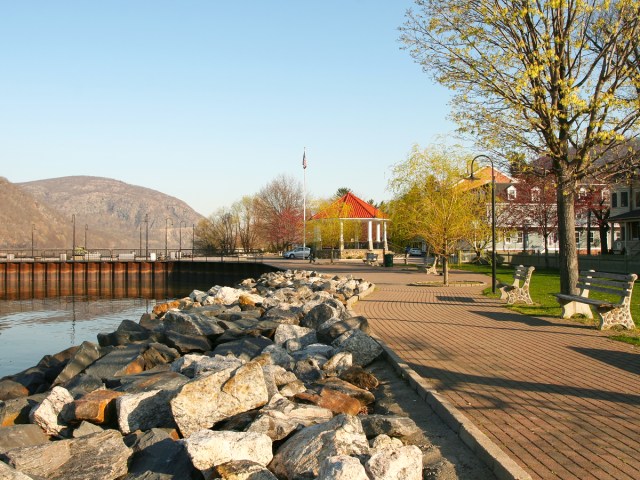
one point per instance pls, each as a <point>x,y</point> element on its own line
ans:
<point>34,327</point>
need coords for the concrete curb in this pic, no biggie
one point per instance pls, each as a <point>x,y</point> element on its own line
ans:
<point>499,462</point>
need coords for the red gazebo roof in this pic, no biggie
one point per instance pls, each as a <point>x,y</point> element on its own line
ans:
<point>350,207</point>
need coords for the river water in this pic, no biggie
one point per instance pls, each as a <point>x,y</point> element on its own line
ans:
<point>35,327</point>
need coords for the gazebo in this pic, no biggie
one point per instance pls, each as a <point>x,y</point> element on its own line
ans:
<point>354,210</point>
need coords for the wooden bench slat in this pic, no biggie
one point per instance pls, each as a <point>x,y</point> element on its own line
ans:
<point>590,301</point>
<point>612,283</point>
<point>614,276</point>
<point>622,292</point>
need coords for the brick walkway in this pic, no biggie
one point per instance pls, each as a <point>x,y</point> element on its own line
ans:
<point>559,398</point>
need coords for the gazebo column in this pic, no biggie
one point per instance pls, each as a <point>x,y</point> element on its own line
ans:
<point>341,235</point>
<point>378,232</point>
<point>370,234</point>
<point>384,236</point>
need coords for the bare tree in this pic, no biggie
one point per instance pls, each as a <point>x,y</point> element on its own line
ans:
<point>279,206</point>
<point>246,212</point>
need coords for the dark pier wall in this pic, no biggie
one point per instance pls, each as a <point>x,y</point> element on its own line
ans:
<point>20,280</point>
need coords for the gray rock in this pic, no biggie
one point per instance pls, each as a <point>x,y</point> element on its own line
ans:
<point>280,417</point>
<point>8,473</point>
<point>185,343</point>
<point>194,365</point>
<point>82,384</point>
<point>191,324</point>
<point>16,410</point>
<point>158,457</point>
<point>142,411</point>
<point>300,455</point>
<point>86,354</point>
<point>401,463</point>
<point>308,370</point>
<point>363,348</point>
<point>118,362</point>
<point>279,356</point>
<point>245,348</point>
<point>292,388</point>
<point>243,470</point>
<point>151,380</point>
<point>334,327</point>
<point>391,425</point>
<point>285,333</point>
<point>208,449</point>
<point>341,467</point>
<point>101,456</point>
<point>338,363</point>
<point>318,315</point>
<point>215,396</point>
<point>85,428</point>
<point>16,436</point>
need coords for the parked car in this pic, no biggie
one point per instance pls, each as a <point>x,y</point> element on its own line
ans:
<point>415,252</point>
<point>298,252</point>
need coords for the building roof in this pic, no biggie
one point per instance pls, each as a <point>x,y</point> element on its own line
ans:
<point>350,207</point>
<point>627,216</point>
<point>482,177</point>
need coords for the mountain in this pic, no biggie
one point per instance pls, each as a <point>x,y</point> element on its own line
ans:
<point>108,213</point>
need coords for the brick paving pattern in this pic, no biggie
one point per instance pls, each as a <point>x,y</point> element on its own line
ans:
<point>559,398</point>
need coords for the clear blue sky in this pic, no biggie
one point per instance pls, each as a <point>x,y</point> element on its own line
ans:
<point>210,100</point>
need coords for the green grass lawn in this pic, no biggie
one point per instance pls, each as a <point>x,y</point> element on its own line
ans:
<point>544,283</point>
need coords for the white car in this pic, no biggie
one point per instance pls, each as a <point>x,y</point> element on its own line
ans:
<point>415,252</point>
<point>298,252</point>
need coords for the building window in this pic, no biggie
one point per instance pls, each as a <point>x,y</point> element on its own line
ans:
<point>511,193</point>
<point>582,193</point>
<point>638,199</point>
<point>624,199</point>
<point>614,200</point>
<point>606,195</point>
<point>535,194</point>
<point>577,238</point>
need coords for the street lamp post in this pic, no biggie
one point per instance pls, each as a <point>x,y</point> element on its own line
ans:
<point>86,227</point>
<point>185,224</point>
<point>73,248</point>
<point>166,236</point>
<point>146,221</point>
<point>493,217</point>
<point>33,229</point>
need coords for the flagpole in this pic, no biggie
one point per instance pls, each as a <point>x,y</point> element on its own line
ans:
<point>304,199</point>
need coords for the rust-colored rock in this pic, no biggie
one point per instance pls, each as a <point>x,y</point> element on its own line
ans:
<point>162,308</point>
<point>96,407</point>
<point>332,400</point>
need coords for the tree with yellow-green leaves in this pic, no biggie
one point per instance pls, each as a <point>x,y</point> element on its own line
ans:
<point>547,78</point>
<point>431,202</point>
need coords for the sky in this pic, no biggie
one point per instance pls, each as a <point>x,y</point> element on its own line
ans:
<point>209,101</point>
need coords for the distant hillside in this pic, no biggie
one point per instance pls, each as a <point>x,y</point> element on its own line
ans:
<point>111,213</point>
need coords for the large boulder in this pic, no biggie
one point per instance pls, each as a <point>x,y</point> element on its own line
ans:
<point>101,456</point>
<point>215,396</point>
<point>49,414</point>
<point>341,467</point>
<point>143,411</point>
<point>300,455</point>
<point>362,347</point>
<point>208,449</point>
<point>399,463</point>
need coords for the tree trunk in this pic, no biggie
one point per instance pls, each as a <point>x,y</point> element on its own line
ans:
<point>604,241</point>
<point>445,269</point>
<point>568,255</point>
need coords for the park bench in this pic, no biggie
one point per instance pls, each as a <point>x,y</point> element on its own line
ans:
<point>517,292</point>
<point>430,269</point>
<point>610,312</point>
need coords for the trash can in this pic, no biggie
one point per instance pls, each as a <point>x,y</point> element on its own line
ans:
<point>388,259</point>
<point>63,257</point>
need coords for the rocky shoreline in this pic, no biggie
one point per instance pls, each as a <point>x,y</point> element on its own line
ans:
<point>263,381</point>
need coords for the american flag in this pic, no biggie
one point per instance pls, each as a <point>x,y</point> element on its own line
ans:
<point>304,159</point>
